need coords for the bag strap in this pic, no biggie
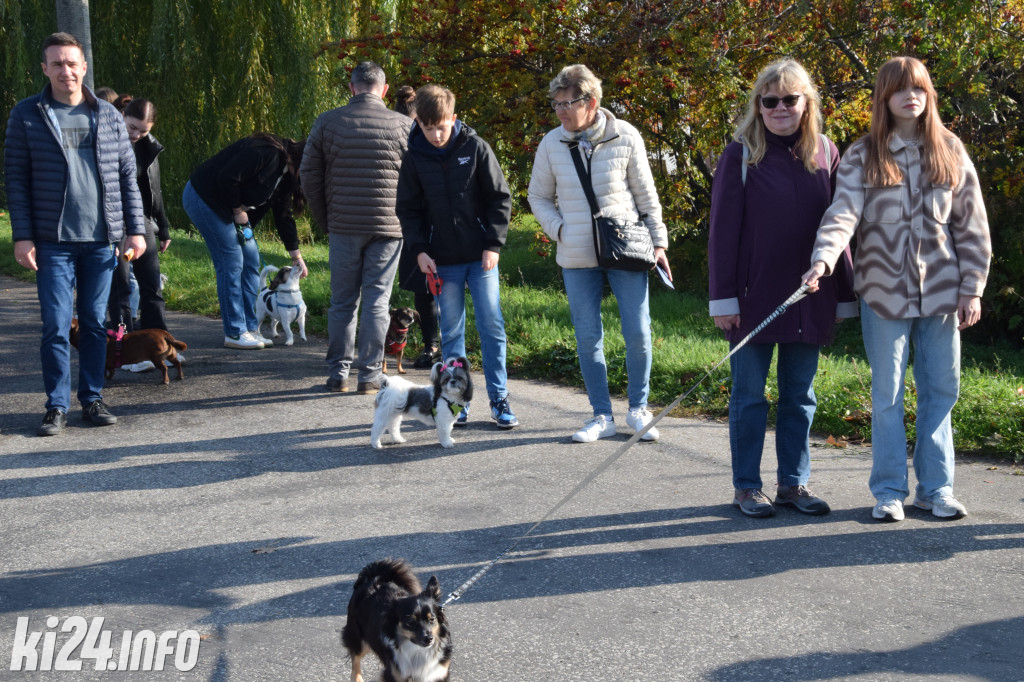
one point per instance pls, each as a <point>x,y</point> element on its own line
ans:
<point>588,189</point>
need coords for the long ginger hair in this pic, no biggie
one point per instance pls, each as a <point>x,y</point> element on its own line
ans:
<point>940,156</point>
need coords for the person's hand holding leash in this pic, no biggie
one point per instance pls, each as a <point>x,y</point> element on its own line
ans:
<point>811,277</point>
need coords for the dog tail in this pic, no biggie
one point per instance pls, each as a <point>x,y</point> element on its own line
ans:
<point>265,272</point>
<point>395,571</point>
<point>180,345</point>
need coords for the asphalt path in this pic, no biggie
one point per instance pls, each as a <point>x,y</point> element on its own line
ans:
<point>240,504</point>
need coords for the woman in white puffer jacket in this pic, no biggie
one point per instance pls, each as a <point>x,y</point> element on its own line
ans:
<point>621,176</point>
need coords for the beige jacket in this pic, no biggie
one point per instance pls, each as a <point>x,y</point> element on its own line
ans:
<point>623,184</point>
<point>920,246</point>
<point>350,167</point>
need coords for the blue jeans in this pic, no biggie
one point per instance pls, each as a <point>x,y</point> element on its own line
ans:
<point>483,287</point>
<point>936,343</point>
<point>585,287</point>
<point>63,268</point>
<point>362,269</point>
<point>748,412</point>
<point>237,266</point>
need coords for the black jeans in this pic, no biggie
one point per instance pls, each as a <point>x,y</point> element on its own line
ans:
<point>151,301</point>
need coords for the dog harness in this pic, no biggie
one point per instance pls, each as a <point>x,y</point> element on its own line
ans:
<point>118,337</point>
<point>454,407</point>
<point>393,346</point>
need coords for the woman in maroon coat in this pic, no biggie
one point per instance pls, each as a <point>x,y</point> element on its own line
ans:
<point>763,223</point>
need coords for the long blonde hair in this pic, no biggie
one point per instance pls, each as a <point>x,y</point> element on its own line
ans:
<point>940,159</point>
<point>788,75</point>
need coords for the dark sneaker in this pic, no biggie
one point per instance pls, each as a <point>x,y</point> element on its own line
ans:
<point>752,502</point>
<point>502,414</point>
<point>53,423</point>
<point>463,418</point>
<point>802,499</point>
<point>97,414</point>
<point>427,358</point>
<point>337,385</point>
<point>368,387</point>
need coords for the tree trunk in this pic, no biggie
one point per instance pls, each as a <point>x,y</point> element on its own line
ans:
<point>73,18</point>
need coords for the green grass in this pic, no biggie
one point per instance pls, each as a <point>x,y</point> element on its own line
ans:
<point>989,417</point>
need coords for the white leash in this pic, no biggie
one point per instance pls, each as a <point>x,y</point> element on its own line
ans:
<point>797,295</point>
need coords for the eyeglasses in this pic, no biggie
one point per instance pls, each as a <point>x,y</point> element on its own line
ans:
<point>566,106</point>
<point>771,102</point>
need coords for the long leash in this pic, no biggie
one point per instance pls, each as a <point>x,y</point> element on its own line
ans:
<point>457,594</point>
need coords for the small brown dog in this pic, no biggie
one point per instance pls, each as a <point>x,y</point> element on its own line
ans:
<point>154,345</point>
<point>398,335</point>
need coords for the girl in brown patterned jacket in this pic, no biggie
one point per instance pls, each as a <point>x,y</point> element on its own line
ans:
<point>911,194</point>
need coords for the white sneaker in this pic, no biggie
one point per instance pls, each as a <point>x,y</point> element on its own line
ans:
<point>888,510</point>
<point>267,343</point>
<point>945,507</point>
<point>244,341</point>
<point>143,366</point>
<point>638,419</point>
<point>600,426</point>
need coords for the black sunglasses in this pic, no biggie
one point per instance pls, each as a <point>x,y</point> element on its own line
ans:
<point>771,102</point>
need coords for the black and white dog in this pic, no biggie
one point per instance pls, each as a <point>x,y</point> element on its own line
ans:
<point>390,615</point>
<point>436,405</point>
<point>282,302</point>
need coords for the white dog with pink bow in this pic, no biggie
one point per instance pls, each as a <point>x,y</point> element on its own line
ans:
<point>436,405</point>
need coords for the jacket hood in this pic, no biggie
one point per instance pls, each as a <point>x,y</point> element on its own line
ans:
<point>418,141</point>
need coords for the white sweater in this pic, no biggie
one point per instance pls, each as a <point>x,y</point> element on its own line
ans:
<point>623,185</point>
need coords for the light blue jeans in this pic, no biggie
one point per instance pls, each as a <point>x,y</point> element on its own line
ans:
<point>483,288</point>
<point>585,287</point>
<point>237,266</point>
<point>748,412</point>
<point>936,343</point>
<point>362,274</point>
<point>64,268</point>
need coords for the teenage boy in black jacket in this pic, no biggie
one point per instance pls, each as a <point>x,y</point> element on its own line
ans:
<point>454,206</point>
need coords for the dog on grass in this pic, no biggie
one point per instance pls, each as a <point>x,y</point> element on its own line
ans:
<point>155,345</point>
<point>398,335</point>
<point>436,405</point>
<point>401,623</point>
<point>281,300</point>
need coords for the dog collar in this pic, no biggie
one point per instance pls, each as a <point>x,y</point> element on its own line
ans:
<point>454,407</point>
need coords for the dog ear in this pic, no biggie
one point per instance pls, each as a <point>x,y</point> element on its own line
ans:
<point>416,316</point>
<point>433,588</point>
<point>435,372</point>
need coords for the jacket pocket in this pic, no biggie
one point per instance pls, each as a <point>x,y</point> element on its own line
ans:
<point>883,204</point>
<point>941,204</point>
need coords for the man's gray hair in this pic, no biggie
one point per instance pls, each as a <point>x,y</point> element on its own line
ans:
<point>368,75</point>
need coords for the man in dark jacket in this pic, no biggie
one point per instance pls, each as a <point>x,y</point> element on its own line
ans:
<point>72,195</point>
<point>350,175</point>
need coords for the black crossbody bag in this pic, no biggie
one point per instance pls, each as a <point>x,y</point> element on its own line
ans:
<point>620,244</point>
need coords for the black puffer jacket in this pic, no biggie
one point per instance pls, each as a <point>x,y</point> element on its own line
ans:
<point>453,203</point>
<point>146,151</point>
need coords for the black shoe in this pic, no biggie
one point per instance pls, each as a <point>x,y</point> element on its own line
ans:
<point>337,385</point>
<point>427,358</point>
<point>368,387</point>
<point>53,423</point>
<point>97,414</point>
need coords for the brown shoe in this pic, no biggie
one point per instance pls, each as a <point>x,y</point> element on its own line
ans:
<point>337,385</point>
<point>368,387</point>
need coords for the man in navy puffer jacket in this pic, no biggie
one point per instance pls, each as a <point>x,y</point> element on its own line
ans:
<point>72,194</point>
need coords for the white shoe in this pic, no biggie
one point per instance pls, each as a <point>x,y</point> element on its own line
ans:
<point>888,510</point>
<point>600,426</point>
<point>638,419</point>
<point>267,343</point>
<point>244,341</point>
<point>143,366</point>
<point>945,507</point>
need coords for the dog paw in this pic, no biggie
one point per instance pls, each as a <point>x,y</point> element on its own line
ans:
<point>448,444</point>
<point>289,342</point>
<point>377,446</point>
<point>398,439</point>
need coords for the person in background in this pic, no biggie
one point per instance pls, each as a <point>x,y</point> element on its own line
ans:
<point>622,180</point>
<point>455,208</point>
<point>351,169</point>
<point>409,276</point>
<point>911,194</point>
<point>225,197</point>
<point>762,230</point>
<point>139,117</point>
<point>72,195</point>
